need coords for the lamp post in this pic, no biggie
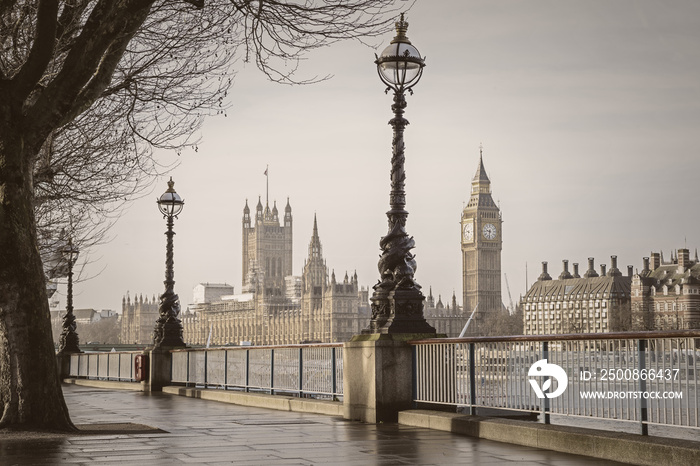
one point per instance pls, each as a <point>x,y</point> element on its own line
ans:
<point>168,329</point>
<point>68,341</point>
<point>397,302</point>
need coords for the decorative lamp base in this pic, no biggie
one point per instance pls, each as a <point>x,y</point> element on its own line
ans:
<point>398,311</point>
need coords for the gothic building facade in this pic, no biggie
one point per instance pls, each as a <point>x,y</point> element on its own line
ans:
<point>481,243</point>
<point>276,307</point>
<point>138,320</point>
<point>447,319</point>
<point>666,295</point>
<point>267,249</point>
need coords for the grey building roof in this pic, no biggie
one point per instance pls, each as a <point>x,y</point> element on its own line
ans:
<point>577,288</point>
<point>671,275</point>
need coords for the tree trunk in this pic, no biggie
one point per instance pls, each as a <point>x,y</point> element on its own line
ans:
<point>30,390</point>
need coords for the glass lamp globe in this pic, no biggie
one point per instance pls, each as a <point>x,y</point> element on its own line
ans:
<point>400,64</point>
<point>170,204</point>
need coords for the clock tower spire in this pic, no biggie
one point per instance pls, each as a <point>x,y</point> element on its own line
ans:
<point>481,242</point>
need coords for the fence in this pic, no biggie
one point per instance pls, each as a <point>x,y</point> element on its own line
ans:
<point>305,370</point>
<point>645,377</point>
<point>104,366</point>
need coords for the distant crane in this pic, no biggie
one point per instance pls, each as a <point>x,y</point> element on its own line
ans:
<point>512,308</point>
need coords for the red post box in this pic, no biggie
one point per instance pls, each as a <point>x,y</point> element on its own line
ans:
<point>140,367</point>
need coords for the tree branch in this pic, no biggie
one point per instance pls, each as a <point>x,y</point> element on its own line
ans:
<point>106,25</point>
<point>101,79</point>
<point>42,50</point>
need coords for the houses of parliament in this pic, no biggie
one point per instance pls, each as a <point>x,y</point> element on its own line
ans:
<point>275,307</point>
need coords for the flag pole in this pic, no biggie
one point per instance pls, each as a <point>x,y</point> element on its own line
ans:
<point>267,186</point>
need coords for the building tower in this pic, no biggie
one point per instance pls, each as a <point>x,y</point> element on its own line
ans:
<point>314,280</point>
<point>267,249</point>
<point>481,248</point>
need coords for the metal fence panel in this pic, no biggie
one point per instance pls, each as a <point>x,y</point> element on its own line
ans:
<point>652,381</point>
<point>304,370</point>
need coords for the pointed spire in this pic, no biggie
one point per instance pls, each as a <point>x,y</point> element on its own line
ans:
<point>480,174</point>
<point>246,209</point>
<point>430,301</point>
<point>315,232</point>
<point>288,208</point>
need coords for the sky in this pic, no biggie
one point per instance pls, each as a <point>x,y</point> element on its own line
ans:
<point>588,113</point>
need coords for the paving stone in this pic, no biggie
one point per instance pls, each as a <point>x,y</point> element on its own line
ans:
<point>211,433</point>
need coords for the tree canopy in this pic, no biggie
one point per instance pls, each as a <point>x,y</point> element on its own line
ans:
<point>88,88</point>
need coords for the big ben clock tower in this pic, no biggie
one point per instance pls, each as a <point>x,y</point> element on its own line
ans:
<point>481,248</point>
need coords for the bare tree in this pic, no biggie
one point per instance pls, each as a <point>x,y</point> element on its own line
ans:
<point>502,322</point>
<point>87,89</point>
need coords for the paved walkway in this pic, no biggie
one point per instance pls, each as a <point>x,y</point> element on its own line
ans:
<point>212,433</point>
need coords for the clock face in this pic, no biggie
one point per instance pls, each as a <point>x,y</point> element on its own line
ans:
<point>489,231</point>
<point>468,231</point>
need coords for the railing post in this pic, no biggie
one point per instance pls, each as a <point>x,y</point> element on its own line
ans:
<point>225,369</point>
<point>472,379</point>
<point>187,372</point>
<point>641,347</point>
<point>206,355</point>
<point>272,371</point>
<point>334,382</point>
<point>414,376</point>
<point>247,370</point>
<point>301,372</point>
<point>545,401</point>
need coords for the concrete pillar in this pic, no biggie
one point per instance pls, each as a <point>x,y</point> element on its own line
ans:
<point>159,369</point>
<point>63,365</point>
<point>377,377</point>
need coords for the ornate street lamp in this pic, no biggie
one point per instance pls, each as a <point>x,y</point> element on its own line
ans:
<point>397,302</point>
<point>68,341</point>
<point>168,329</point>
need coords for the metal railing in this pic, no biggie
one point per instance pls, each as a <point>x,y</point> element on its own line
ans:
<point>104,366</point>
<point>314,370</point>
<point>644,377</point>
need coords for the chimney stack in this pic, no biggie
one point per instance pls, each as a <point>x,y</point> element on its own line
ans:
<point>591,269</point>
<point>646,264</point>
<point>576,275</point>
<point>655,260</point>
<point>614,271</point>
<point>565,273</point>
<point>630,271</point>
<point>602,270</point>
<point>544,275</point>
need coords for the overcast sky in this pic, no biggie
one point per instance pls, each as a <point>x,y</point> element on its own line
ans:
<point>589,115</point>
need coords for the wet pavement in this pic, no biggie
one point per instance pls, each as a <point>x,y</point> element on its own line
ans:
<point>207,432</point>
